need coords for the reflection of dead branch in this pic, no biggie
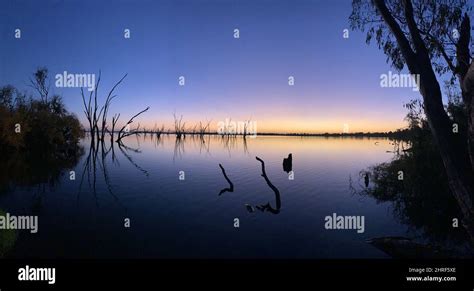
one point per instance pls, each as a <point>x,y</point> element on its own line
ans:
<point>204,143</point>
<point>231,185</point>
<point>246,125</point>
<point>114,158</point>
<point>90,168</point>
<point>229,142</point>
<point>157,139</point>
<point>178,148</point>
<point>123,149</point>
<point>130,148</point>
<point>105,172</point>
<point>159,131</point>
<point>246,149</point>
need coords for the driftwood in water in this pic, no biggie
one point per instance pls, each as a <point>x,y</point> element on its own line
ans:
<point>268,207</point>
<point>231,185</point>
<point>288,163</point>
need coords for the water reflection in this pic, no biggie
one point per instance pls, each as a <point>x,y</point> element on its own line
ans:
<point>96,166</point>
<point>179,148</point>
<point>125,151</point>
<point>27,169</point>
<point>262,207</point>
<point>38,172</point>
<point>144,168</point>
<point>413,182</point>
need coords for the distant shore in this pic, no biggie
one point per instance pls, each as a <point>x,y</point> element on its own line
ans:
<point>398,134</point>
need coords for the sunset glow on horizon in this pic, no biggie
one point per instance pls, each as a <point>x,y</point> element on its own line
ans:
<point>282,125</point>
<point>336,79</point>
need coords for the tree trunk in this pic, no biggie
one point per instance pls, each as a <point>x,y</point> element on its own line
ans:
<point>453,151</point>
<point>465,72</point>
<point>468,94</point>
<point>454,155</point>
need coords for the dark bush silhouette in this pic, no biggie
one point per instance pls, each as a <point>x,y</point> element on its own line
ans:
<point>422,199</point>
<point>43,125</point>
<point>38,136</point>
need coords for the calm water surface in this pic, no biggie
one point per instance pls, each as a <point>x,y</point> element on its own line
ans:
<point>187,218</point>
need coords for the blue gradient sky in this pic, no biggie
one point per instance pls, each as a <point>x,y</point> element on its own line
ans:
<point>337,79</point>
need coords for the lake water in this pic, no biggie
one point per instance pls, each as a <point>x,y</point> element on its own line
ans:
<point>173,218</point>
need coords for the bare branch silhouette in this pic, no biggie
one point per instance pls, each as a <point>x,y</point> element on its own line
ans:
<point>121,134</point>
<point>231,185</point>
<point>268,207</point>
<point>105,108</point>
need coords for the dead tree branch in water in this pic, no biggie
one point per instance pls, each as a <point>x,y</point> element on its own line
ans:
<point>95,118</point>
<point>115,118</point>
<point>94,115</point>
<point>231,185</point>
<point>267,206</point>
<point>87,109</point>
<point>179,127</point>
<point>203,128</point>
<point>121,133</point>
<point>105,108</point>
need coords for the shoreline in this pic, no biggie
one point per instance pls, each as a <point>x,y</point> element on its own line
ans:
<point>395,134</point>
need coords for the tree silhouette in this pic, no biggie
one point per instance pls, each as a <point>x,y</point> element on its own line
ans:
<point>431,38</point>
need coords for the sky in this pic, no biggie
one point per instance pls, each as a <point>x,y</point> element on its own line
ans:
<point>337,80</point>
